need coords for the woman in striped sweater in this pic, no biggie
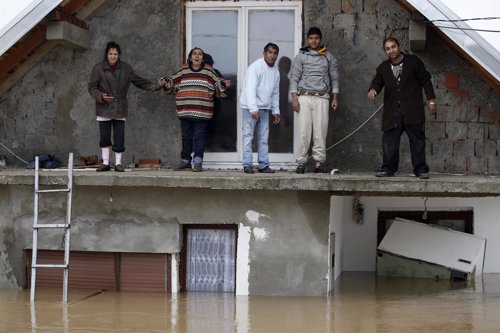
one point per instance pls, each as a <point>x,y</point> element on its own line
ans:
<point>194,86</point>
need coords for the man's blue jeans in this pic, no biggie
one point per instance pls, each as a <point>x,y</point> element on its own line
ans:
<point>193,140</point>
<point>262,125</point>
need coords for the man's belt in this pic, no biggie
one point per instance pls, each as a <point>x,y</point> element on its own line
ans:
<point>313,93</point>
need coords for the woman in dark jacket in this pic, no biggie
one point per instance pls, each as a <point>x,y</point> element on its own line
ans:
<point>108,85</point>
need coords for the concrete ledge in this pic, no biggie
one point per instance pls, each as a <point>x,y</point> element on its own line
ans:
<point>68,34</point>
<point>341,184</point>
<point>417,35</point>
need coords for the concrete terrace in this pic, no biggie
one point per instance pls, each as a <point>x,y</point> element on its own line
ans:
<point>439,185</point>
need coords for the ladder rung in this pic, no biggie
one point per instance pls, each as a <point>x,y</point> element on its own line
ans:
<point>48,225</point>
<point>52,191</point>
<point>49,266</point>
<point>66,226</point>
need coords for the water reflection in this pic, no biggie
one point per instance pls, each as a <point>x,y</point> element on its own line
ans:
<point>360,303</point>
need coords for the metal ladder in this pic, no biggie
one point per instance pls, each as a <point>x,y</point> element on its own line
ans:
<point>66,226</point>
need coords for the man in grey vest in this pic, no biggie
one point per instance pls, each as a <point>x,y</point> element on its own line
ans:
<point>314,78</point>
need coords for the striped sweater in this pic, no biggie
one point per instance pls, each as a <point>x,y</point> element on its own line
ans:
<point>194,91</point>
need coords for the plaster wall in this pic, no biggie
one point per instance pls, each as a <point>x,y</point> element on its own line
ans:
<point>8,257</point>
<point>338,211</point>
<point>50,110</point>
<point>286,232</point>
<point>360,252</point>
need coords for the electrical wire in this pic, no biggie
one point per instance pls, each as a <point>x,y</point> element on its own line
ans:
<point>334,145</point>
<point>464,20</point>
<point>10,151</point>
<point>357,129</point>
<point>351,134</point>
<point>469,29</point>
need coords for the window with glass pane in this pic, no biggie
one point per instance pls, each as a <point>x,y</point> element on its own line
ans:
<point>216,32</point>
<point>276,26</point>
<point>234,34</point>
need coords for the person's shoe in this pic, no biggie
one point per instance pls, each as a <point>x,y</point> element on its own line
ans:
<point>183,166</point>
<point>119,168</point>
<point>321,169</point>
<point>422,175</point>
<point>300,169</point>
<point>267,169</point>
<point>103,167</point>
<point>247,169</point>
<point>197,167</point>
<point>382,173</point>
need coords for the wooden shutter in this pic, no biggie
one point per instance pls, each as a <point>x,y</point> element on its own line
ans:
<point>104,270</point>
<point>143,272</point>
<point>87,270</point>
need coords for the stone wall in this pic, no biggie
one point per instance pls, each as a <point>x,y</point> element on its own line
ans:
<point>464,135</point>
<point>50,110</point>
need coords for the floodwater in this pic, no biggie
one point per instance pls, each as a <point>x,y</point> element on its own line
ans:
<point>361,302</point>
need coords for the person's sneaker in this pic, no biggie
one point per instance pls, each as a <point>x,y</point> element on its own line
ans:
<point>103,167</point>
<point>183,166</point>
<point>300,169</point>
<point>423,175</point>
<point>197,167</point>
<point>267,169</point>
<point>382,173</point>
<point>321,169</point>
<point>119,168</point>
<point>247,169</point>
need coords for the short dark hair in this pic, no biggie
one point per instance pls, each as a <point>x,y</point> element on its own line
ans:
<point>191,53</point>
<point>314,31</point>
<point>208,59</point>
<point>112,45</point>
<point>271,45</point>
<point>390,39</point>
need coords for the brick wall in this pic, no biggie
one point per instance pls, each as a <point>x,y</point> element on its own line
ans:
<point>464,135</point>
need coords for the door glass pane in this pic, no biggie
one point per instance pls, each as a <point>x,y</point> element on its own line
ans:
<point>276,26</point>
<point>216,32</point>
<point>210,260</point>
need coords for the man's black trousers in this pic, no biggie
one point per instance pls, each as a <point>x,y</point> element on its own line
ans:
<point>391,140</point>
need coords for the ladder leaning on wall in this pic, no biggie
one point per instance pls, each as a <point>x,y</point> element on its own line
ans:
<point>66,226</point>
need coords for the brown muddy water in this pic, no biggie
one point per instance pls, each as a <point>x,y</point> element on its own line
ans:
<point>360,302</point>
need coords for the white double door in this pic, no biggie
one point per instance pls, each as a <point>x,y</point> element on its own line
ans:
<point>235,34</point>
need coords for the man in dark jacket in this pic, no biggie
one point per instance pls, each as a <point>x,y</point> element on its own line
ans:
<point>108,86</point>
<point>403,76</point>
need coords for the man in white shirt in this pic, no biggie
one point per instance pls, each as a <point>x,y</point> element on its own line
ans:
<point>259,97</point>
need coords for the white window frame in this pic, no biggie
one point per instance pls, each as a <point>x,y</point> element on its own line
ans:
<point>232,160</point>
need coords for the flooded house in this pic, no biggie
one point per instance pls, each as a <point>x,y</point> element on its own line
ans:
<point>221,230</point>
